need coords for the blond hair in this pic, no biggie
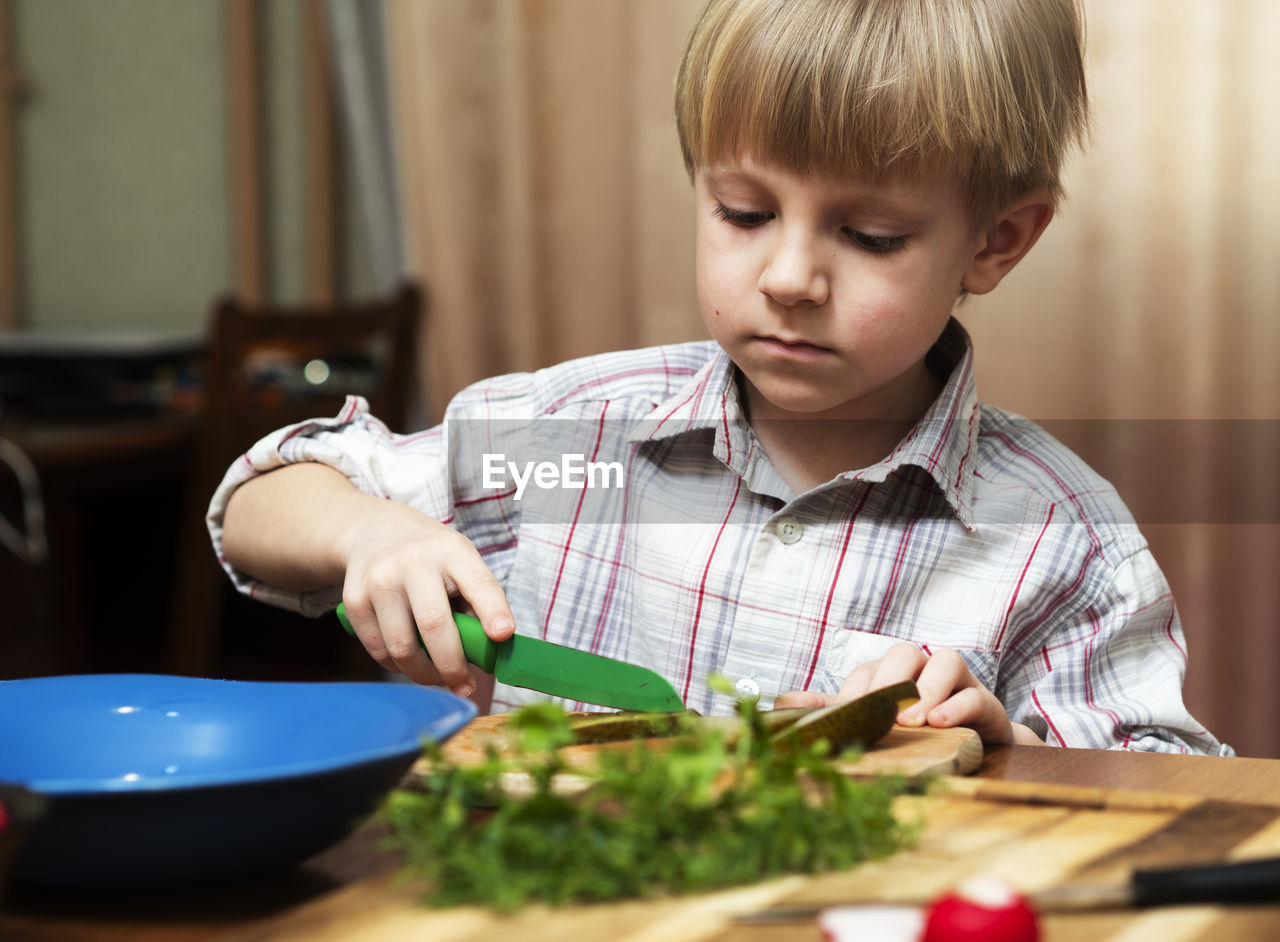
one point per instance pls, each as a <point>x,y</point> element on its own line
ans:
<point>994,89</point>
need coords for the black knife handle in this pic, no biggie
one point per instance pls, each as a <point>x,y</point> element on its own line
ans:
<point>1251,881</point>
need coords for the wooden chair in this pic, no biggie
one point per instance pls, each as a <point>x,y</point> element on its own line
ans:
<point>268,367</point>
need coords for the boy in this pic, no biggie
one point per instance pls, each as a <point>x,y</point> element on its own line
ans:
<point>816,504</point>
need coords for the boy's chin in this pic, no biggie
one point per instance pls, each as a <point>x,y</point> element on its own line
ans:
<point>791,400</point>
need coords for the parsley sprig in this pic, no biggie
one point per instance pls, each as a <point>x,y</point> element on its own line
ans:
<point>700,812</point>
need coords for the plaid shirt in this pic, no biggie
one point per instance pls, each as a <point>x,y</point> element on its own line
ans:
<point>690,555</point>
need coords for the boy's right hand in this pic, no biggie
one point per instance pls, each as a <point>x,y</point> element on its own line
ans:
<point>401,569</point>
<point>304,527</point>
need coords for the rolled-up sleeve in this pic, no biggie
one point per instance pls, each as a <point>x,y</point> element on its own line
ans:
<point>1112,678</point>
<point>422,470</point>
<point>409,469</point>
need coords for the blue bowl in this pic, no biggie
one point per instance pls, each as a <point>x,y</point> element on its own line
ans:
<point>160,779</point>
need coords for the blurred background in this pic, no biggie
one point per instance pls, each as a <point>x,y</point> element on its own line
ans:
<point>517,159</point>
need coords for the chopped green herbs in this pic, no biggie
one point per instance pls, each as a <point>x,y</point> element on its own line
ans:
<point>695,813</point>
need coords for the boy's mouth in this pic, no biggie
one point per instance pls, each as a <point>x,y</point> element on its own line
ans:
<point>791,349</point>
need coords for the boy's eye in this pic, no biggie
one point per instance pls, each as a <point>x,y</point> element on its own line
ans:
<point>750,219</point>
<point>875,243</point>
<point>743,219</point>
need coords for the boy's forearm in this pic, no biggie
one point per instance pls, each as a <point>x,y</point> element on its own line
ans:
<point>283,527</point>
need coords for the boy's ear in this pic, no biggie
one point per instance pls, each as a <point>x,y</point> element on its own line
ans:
<point>1006,240</point>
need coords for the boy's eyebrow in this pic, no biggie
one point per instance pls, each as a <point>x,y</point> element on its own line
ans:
<point>727,173</point>
<point>868,198</point>
<point>723,175</point>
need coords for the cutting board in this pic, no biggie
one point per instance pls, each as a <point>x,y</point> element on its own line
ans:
<point>905,750</point>
<point>1032,835</point>
<point>1014,831</point>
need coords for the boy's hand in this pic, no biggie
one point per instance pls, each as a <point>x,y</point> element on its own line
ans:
<point>401,568</point>
<point>305,526</point>
<point>949,694</point>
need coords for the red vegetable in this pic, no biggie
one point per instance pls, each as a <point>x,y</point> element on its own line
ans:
<point>982,910</point>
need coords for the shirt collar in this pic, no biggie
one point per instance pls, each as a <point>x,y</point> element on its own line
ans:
<point>943,443</point>
<point>709,400</point>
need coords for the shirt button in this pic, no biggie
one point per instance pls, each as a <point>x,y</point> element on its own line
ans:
<point>790,532</point>
<point>747,688</point>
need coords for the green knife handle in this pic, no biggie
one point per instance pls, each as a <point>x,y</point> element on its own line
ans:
<point>479,649</point>
<point>476,645</point>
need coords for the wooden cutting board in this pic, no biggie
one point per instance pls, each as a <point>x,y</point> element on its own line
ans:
<point>905,750</point>
<point>1032,835</point>
<point>1082,835</point>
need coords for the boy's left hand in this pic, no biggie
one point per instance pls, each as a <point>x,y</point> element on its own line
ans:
<point>949,694</point>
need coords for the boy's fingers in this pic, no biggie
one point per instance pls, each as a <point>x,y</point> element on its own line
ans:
<point>433,623</point>
<point>400,633</point>
<point>387,633</point>
<point>805,699</point>
<point>938,678</point>
<point>859,681</point>
<point>903,661</point>
<point>964,708</point>
<point>364,623</point>
<point>978,709</point>
<point>477,585</point>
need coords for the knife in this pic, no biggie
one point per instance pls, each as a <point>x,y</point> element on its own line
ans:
<point>560,671</point>
<point>1249,881</point>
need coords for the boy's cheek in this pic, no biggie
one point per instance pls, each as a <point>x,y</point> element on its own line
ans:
<point>723,289</point>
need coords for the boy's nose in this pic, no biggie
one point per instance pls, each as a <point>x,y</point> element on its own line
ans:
<point>795,274</point>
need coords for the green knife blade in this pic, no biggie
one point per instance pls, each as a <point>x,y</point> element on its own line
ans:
<point>560,671</point>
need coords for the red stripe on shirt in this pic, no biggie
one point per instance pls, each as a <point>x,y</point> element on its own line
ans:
<point>1035,699</point>
<point>899,559</point>
<point>676,408</point>
<point>492,548</point>
<point>1053,607</point>
<point>724,429</point>
<point>614,562</point>
<point>1013,599</point>
<point>1168,630</point>
<point>1087,675</point>
<point>968,451</point>
<point>564,555</point>
<point>471,502</point>
<point>610,590</point>
<point>835,581</point>
<point>702,591</point>
<point>1066,491</point>
<point>948,424</point>
<point>609,381</point>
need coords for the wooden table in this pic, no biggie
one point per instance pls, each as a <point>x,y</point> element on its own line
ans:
<point>349,891</point>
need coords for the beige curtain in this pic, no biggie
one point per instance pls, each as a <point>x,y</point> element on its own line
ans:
<point>548,206</point>
<point>550,216</point>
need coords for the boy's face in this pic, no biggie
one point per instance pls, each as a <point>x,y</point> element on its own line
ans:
<point>827,293</point>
